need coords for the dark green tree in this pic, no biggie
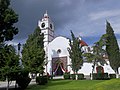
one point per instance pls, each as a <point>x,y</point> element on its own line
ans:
<point>9,63</point>
<point>75,54</point>
<point>7,19</point>
<point>33,54</point>
<point>112,48</point>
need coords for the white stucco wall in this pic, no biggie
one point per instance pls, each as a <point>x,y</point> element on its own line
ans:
<point>62,43</point>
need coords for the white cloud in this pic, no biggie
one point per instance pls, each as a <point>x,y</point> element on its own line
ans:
<point>12,43</point>
<point>104,14</point>
<point>64,3</point>
<point>116,27</point>
<point>118,40</point>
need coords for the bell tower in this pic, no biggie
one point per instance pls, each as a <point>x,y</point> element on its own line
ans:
<point>47,27</point>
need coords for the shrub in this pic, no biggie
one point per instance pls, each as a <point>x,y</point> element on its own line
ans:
<point>66,75</point>
<point>41,80</point>
<point>23,82</point>
<point>94,76</point>
<point>80,76</point>
<point>112,76</point>
<point>73,76</point>
<point>100,76</point>
<point>106,76</point>
<point>22,79</point>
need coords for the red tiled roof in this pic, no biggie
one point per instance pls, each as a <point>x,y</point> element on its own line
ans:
<point>82,43</point>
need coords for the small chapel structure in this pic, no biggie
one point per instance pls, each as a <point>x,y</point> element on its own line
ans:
<point>57,55</point>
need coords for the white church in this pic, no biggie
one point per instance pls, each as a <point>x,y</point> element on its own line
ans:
<point>57,55</point>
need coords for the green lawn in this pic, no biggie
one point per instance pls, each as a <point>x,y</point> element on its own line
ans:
<point>78,85</point>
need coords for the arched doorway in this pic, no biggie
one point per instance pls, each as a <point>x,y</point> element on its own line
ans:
<point>59,65</point>
<point>100,69</point>
<point>59,71</point>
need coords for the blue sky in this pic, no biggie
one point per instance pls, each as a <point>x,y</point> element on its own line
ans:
<point>86,18</point>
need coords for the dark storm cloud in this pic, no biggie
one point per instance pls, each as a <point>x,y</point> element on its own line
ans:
<point>84,17</point>
<point>30,11</point>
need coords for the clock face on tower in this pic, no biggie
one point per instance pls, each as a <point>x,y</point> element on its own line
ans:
<point>43,25</point>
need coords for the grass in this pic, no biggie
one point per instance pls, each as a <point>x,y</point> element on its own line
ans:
<point>113,84</point>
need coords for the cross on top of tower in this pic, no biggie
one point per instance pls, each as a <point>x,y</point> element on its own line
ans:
<point>46,15</point>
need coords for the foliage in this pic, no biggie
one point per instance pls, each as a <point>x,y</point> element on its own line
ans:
<point>75,53</point>
<point>22,79</point>
<point>7,19</point>
<point>33,53</point>
<point>112,48</point>
<point>100,76</point>
<point>80,76</point>
<point>67,75</point>
<point>41,80</point>
<point>96,56</point>
<point>112,76</point>
<point>9,61</point>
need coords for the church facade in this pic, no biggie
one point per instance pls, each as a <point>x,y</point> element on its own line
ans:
<point>57,56</point>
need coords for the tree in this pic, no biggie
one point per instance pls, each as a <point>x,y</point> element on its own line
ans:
<point>9,63</point>
<point>75,54</point>
<point>96,56</point>
<point>33,54</point>
<point>7,19</point>
<point>112,49</point>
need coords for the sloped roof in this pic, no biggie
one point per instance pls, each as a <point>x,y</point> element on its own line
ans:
<point>82,43</point>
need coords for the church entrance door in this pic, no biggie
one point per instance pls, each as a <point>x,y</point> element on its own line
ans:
<point>59,65</point>
<point>59,71</point>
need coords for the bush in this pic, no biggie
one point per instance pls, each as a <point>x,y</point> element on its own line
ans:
<point>23,82</point>
<point>112,76</point>
<point>100,76</point>
<point>41,80</point>
<point>73,76</point>
<point>22,79</point>
<point>66,75</point>
<point>80,76</point>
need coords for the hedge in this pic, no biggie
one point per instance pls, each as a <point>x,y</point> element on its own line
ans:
<point>112,76</point>
<point>100,76</point>
<point>80,76</point>
<point>66,75</point>
<point>41,80</point>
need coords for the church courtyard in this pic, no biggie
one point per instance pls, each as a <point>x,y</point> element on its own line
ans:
<point>113,84</point>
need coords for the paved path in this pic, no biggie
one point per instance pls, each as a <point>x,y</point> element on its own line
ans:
<point>12,84</point>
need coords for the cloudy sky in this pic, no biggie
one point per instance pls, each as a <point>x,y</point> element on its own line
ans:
<point>86,18</point>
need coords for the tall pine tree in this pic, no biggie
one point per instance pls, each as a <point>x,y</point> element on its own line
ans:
<point>112,48</point>
<point>75,53</point>
<point>33,54</point>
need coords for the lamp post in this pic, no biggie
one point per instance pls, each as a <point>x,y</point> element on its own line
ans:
<point>19,45</point>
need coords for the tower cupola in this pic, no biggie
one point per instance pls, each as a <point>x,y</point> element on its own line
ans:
<point>47,27</point>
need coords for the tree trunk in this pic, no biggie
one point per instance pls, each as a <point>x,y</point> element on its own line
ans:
<point>76,76</point>
<point>7,83</point>
<point>117,73</point>
<point>92,70</point>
